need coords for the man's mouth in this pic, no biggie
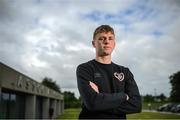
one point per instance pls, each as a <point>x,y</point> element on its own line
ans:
<point>106,47</point>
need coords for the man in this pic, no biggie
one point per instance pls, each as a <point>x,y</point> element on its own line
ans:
<point>107,90</point>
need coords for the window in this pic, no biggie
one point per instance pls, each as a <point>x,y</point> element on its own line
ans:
<point>12,105</point>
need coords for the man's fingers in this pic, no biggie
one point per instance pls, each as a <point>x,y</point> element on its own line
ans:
<point>127,97</point>
<point>94,86</point>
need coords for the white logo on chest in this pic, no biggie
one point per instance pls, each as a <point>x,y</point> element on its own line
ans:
<point>119,76</point>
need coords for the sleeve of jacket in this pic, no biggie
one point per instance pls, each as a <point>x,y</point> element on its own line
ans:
<point>91,99</point>
<point>133,105</point>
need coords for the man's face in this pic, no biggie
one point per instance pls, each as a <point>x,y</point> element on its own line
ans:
<point>104,43</point>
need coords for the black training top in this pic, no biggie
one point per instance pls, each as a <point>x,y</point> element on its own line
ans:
<point>114,82</point>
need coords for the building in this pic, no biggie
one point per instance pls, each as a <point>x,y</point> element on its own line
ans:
<point>23,97</point>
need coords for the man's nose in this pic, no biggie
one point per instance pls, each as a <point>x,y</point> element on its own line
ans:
<point>106,41</point>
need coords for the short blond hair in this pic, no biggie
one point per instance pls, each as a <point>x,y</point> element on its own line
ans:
<point>103,29</point>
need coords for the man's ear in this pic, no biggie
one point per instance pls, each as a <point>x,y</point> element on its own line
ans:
<point>93,43</point>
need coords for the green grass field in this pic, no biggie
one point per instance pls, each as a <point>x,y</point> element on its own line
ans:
<point>73,114</point>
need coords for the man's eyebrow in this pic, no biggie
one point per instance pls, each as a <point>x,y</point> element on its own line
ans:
<point>111,36</point>
<point>102,37</point>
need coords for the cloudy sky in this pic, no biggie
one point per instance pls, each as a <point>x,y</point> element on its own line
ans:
<point>51,37</point>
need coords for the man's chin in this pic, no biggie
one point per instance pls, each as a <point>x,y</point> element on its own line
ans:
<point>105,54</point>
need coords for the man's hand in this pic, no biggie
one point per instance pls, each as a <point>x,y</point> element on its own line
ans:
<point>127,97</point>
<point>94,86</point>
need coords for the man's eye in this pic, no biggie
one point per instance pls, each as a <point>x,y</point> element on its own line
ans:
<point>101,38</point>
<point>111,38</point>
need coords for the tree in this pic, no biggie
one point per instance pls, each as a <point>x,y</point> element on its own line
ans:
<point>175,91</point>
<point>148,98</point>
<point>51,84</point>
<point>161,97</point>
<point>70,101</point>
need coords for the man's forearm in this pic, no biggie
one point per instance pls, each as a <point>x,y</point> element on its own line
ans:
<point>95,88</point>
<point>99,101</point>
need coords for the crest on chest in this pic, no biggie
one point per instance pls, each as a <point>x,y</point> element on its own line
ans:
<point>119,76</point>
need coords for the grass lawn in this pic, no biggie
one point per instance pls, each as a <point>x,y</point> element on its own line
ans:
<point>73,114</point>
<point>70,114</point>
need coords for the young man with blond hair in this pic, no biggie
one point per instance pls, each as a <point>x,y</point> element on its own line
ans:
<point>108,90</point>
